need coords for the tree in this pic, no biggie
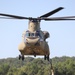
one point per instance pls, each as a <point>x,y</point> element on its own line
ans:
<point>4,68</point>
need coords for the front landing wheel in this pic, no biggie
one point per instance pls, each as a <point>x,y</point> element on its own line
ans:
<point>46,57</point>
<point>21,57</point>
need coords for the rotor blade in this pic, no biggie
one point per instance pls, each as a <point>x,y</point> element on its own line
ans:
<point>13,16</point>
<point>6,18</point>
<point>63,17</point>
<point>52,12</point>
<point>59,19</point>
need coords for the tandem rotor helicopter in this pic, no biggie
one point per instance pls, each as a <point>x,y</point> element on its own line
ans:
<point>34,39</point>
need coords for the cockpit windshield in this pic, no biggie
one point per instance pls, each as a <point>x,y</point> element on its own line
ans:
<point>36,34</point>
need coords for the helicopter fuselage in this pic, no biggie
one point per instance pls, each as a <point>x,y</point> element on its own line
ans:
<point>34,41</point>
<point>33,44</point>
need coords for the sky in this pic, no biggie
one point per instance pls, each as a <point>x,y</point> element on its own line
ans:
<point>62,33</point>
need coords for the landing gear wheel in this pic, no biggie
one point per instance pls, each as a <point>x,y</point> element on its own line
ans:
<point>48,57</point>
<point>34,55</point>
<point>19,57</point>
<point>45,57</point>
<point>22,57</point>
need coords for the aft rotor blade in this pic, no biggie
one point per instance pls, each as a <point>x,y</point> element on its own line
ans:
<point>13,16</point>
<point>52,12</point>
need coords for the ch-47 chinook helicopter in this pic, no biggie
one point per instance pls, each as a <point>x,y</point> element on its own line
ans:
<point>34,39</point>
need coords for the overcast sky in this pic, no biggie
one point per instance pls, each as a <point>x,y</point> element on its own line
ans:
<point>62,33</point>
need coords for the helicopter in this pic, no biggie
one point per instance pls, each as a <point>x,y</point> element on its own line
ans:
<point>34,39</point>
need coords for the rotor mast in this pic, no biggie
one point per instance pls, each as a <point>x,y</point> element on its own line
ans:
<point>34,25</point>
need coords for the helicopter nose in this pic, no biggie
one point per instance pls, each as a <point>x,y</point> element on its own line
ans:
<point>32,41</point>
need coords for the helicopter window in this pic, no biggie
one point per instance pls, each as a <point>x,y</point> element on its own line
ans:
<point>32,34</point>
<point>37,34</point>
<point>27,34</point>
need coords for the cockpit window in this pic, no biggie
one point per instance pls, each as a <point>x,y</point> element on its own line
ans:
<point>29,34</point>
<point>36,34</point>
<point>32,34</point>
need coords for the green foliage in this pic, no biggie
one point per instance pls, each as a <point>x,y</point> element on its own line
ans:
<point>4,69</point>
<point>30,66</point>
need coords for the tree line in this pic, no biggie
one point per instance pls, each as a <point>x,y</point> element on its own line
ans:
<point>30,66</point>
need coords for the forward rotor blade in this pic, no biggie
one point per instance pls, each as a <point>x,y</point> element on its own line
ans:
<point>52,12</point>
<point>59,19</point>
<point>6,18</point>
<point>13,16</point>
<point>63,17</point>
